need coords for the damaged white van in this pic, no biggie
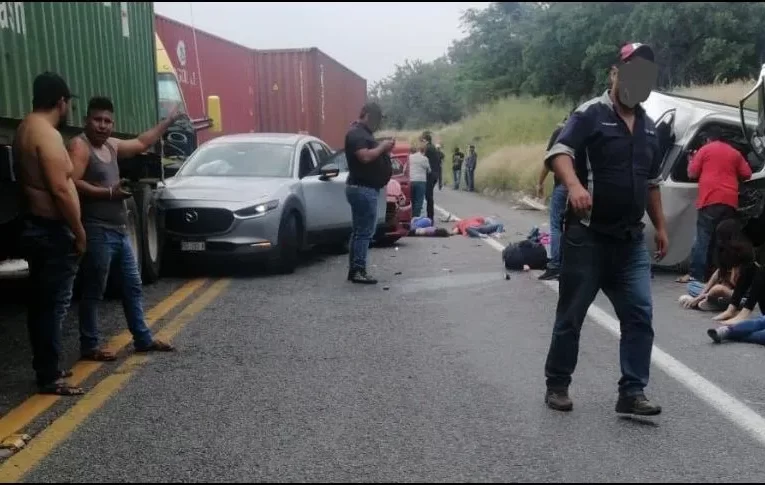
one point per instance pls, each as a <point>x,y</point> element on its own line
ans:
<point>681,123</point>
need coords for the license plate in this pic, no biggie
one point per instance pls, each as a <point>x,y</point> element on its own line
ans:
<point>194,246</point>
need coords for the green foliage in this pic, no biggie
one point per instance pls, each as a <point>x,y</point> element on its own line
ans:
<point>563,51</point>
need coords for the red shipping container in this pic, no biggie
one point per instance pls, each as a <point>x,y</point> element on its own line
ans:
<point>306,90</point>
<point>207,65</point>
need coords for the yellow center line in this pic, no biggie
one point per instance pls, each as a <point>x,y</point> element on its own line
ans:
<point>20,417</point>
<point>16,467</point>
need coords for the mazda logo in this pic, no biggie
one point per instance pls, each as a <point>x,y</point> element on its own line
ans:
<point>191,216</point>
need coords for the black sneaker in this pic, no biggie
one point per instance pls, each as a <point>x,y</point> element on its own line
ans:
<point>361,277</point>
<point>558,400</point>
<point>549,274</point>
<point>637,405</point>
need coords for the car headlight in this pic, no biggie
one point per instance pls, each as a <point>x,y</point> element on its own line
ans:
<point>257,210</point>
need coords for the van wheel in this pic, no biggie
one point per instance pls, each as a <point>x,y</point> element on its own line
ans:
<point>288,246</point>
<point>149,235</point>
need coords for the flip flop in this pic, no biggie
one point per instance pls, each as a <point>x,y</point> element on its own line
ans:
<point>60,388</point>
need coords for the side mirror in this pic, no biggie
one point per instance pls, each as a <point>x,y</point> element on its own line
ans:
<point>213,112</point>
<point>329,171</point>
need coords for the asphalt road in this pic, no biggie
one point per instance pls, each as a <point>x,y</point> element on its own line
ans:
<point>436,374</point>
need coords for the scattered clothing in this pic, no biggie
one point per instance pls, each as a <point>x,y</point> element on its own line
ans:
<point>524,253</point>
<point>421,222</point>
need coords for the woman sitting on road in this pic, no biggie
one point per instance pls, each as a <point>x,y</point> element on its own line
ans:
<point>734,255</point>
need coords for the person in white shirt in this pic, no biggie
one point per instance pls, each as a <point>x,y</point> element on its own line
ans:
<point>419,168</point>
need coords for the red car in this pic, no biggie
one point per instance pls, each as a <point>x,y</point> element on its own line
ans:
<point>398,214</point>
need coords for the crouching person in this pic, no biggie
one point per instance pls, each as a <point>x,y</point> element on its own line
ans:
<point>94,155</point>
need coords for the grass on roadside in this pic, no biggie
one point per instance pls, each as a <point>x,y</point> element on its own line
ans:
<point>511,135</point>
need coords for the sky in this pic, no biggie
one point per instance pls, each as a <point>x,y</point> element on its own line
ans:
<point>369,38</point>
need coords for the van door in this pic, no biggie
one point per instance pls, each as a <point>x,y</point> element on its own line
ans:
<point>677,196</point>
<point>755,138</point>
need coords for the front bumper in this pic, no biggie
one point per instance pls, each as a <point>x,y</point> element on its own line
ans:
<point>397,222</point>
<point>252,237</point>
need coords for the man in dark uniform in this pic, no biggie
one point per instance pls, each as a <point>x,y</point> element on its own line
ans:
<point>434,159</point>
<point>603,243</point>
<point>370,169</point>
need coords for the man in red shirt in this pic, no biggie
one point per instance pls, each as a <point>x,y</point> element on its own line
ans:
<point>718,167</point>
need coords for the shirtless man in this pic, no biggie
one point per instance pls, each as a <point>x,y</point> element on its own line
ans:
<point>96,174</point>
<point>53,237</point>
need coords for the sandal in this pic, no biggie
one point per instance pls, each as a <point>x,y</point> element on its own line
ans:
<point>60,388</point>
<point>99,355</point>
<point>157,346</point>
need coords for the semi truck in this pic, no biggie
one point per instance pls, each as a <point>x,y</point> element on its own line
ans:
<point>113,51</point>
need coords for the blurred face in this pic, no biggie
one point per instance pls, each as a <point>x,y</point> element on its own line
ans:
<point>633,81</point>
<point>373,121</point>
<point>98,126</point>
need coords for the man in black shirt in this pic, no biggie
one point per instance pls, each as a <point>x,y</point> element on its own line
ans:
<point>370,169</point>
<point>434,159</point>
<point>558,200</point>
<point>441,157</point>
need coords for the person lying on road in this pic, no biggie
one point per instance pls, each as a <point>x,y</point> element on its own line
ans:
<point>95,154</point>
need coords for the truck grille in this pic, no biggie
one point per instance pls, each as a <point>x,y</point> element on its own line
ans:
<point>194,221</point>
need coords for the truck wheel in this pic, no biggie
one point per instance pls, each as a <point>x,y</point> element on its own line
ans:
<point>114,283</point>
<point>149,234</point>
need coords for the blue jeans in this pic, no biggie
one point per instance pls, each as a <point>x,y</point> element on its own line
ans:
<point>363,202</point>
<point>703,249</point>
<point>105,248</point>
<point>50,252</point>
<point>558,201</point>
<point>622,269</point>
<point>418,197</point>
<point>750,331</point>
<point>470,178</point>
<point>456,174</point>
<point>484,229</point>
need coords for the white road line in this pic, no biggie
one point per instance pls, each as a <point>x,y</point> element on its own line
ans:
<point>736,411</point>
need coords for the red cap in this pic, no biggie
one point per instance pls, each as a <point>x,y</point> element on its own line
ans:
<point>628,51</point>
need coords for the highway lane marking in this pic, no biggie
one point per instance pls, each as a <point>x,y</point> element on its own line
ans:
<point>733,409</point>
<point>22,415</point>
<point>16,467</point>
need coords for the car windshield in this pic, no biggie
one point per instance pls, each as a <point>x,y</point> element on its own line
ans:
<point>240,159</point>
